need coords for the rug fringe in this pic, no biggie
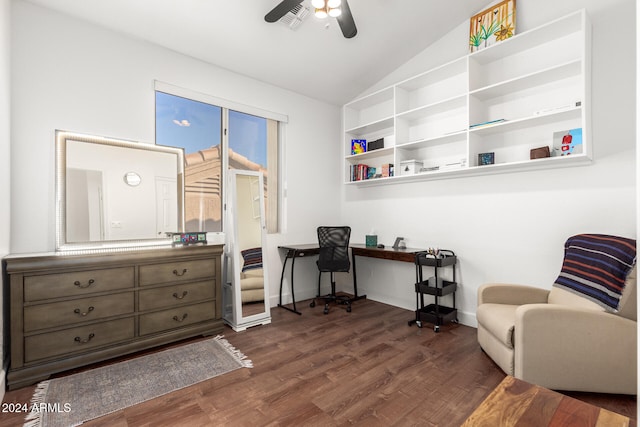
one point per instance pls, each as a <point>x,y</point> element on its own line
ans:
<point>34,418</point>
<point>242,358</point>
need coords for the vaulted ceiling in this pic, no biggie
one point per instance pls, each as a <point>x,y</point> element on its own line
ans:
<point>314,59</point>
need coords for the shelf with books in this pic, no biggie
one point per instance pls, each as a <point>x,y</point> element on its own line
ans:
<point>508,102</point>
<point>361,169</point>
<point>559,115</point>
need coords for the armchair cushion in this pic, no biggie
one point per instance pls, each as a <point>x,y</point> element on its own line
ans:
<point>499,319</point>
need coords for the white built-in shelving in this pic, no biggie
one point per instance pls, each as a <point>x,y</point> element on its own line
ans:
<point>534,85</point>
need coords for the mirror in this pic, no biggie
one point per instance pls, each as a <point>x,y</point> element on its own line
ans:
<point>113,193</point>
<point>248,272</point>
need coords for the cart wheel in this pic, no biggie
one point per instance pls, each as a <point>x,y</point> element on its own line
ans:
<point>419,323</point>
<point>348,309</point>
<point>436,328</point>
<point>326,309</point>
<point>313,304</point>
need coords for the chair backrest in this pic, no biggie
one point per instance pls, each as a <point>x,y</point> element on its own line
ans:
<point>334,248</point>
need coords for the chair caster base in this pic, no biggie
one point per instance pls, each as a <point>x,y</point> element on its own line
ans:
<point>313,304</point>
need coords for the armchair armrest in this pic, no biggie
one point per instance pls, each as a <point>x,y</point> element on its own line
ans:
<point>503,293</point>
<point>567,348</point>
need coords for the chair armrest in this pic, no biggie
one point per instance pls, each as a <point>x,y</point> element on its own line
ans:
<point>567,348</point>
<point>503,293</point>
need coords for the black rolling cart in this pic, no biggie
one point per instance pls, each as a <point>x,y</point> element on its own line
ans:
<point>436,286</point>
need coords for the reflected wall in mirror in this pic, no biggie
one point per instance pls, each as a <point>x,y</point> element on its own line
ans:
<point>114,193</point>
<point>249,272</point>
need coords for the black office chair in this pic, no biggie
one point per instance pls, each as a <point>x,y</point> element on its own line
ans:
<point>333,258</point>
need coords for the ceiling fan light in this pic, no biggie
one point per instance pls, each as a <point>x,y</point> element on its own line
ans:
<point>334,3</point>
<point>335,12</point>
<point>318,4</point>
<point>321,13</point>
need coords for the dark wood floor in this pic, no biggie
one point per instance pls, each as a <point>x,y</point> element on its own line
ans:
<point>367,367</point>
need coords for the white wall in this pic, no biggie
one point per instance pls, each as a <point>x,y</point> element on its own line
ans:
<point>76,76</point>
<point>5,151</point>
<point>512,227</point>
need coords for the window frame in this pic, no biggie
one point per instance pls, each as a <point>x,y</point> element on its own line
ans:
<point>273,225</point>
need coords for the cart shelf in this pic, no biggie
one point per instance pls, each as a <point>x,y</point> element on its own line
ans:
<point>437,287</point>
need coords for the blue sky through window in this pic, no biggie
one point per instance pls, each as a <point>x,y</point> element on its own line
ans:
<point>185,123</point>
<point>248,136</point>
<point>194,126</point>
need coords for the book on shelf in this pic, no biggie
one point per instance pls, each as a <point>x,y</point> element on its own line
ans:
<point>488,123</point>
<point>362,172</point>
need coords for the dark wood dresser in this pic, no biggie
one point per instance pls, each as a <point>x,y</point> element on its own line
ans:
<point>66,311</point>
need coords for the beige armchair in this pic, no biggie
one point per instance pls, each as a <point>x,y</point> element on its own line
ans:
<point>558,338</point>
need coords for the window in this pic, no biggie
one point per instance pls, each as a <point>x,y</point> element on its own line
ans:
<point>194,122</point>
<point>253,145</point>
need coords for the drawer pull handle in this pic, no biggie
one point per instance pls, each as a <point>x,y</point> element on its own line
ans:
<point>176,296</point>
<point>177,319</point>
<point>81,286</point>
<point>177,273</point>
<point>81,313</point>
<point>81,341</point>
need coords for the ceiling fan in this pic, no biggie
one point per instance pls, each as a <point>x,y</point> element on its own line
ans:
<point>323,8</point>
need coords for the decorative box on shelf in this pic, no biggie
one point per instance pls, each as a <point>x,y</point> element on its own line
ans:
<point>410,167</point>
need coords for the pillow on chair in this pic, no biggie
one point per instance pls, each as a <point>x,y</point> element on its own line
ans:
<point>595,267</point>
<point>252,258</point>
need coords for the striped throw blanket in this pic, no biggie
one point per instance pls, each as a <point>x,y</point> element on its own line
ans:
<point>596,267</point>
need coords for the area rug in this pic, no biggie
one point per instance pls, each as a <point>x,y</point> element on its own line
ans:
<point>74,399</point>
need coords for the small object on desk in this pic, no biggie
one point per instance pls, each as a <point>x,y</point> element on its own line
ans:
<point>399,240</point>
<point>371,240</point>
<point>380,246</point>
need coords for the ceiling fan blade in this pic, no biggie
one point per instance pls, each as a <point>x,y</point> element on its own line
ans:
<point>346,22</point>
<point>280,10</point>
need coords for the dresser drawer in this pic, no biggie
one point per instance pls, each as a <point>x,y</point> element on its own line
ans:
<point>77,283</point>
<point>169,296</point>
<point>76,311</point>
<point>76,340</point>
<point>177,271</point>
<point>176,317</point>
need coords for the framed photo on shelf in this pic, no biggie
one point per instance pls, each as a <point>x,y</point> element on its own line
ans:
<point>485,159</point>
<point>358,146</point>
<point>492,25</point>
<point>567,142</point>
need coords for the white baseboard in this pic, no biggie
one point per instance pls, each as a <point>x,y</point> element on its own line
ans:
<point>464,318</point>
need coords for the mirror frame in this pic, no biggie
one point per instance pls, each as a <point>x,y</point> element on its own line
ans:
<point>239,322</point>
<point>61,197</point>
